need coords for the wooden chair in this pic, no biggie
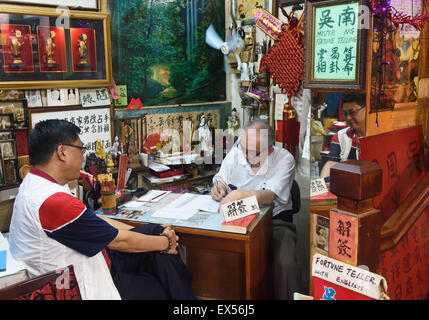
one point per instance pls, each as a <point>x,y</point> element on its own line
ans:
<point>44,287</point>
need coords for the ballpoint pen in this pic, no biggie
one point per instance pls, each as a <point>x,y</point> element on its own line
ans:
<point>161,194</point>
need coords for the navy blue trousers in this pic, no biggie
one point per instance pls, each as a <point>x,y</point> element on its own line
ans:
<point>150,275</point>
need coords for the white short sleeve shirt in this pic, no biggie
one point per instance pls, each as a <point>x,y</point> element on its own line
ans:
<point>276,174</point>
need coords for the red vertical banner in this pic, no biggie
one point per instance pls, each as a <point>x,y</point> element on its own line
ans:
<point>400,153</point>
<point>21,138</point>
<point>343,237</point>
<point>406,265</point>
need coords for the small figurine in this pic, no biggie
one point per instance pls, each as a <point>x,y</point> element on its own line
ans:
<point>16,42</point>
<point>83,50</point>
<point>110,165</point>
<point>50,50</point>
<point>101,154</point>
<point>114,150</point>
<point>233,122</point>
<point>133,157</point>
<point>204,136</point>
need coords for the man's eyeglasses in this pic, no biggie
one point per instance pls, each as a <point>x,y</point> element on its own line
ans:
<point>83,149</point>
<point>351,113</point>
<point>251,152</point>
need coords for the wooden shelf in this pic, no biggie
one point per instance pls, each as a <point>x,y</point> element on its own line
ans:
<point>9,186</point>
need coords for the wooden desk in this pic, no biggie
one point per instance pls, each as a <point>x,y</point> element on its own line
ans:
<point>319,218</point>
<point>228,265</point>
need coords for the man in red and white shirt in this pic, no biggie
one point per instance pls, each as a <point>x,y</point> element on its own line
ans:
<point>51,229</point>
<point>345,143</point>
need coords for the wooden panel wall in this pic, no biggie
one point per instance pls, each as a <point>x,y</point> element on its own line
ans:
<point>406,114</point>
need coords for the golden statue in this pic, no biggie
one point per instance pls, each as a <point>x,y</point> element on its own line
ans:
<point>99,152</point>
<point>50,49</point>
<point>16,43</point>
<point>83,49</point>
<point>110,165</point>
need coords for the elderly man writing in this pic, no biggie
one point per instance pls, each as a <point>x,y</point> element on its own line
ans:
<point>255,167</point>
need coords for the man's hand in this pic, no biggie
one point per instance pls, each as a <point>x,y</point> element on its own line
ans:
<point>232,196</point>
<point>218,191</point>
<point>174,238</point>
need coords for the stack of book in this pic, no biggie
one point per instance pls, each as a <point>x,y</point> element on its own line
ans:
<point>161,173</point>
<point>242,225</point>
<point>176,158</point>
<point>324,199</point>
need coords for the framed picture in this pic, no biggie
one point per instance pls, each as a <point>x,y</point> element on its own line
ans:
<point>43,49</point>
<point>95,97</point>
<point>1,174</point>
<point>17,51</point>
<point>10,171</point>
<point>246,9</point>
<point>84,48</point>
<point>284,3</point>
<point>81,4</point>
<point>71,96</point>
<point>34,98</point>
<point>19,110</point>
<point>95,123</point>
<point>8,150</point>
<point>55,97</point>
<point>6,135</point>
<point>6,121</point>
<point>62,97</point>
<point>153,67</point>
<point>335,48</point>
<point>52,49</point>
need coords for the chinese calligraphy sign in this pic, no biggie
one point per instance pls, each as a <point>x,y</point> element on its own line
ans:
<point>335,38</point>
<point>335,41</point>
<point>240,208</point>
<point>400,154</point>
<point>95,124</point>
<point>343,237</point>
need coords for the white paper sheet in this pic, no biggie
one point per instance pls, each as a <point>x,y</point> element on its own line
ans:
<point>133,204</point>
<point>174,213</point>
<point>183,207</point>
<point>281,100</point>
<point>158,167</point>
<point>206,203</point>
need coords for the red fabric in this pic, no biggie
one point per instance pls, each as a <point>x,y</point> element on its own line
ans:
<point>106,257</point>
<point>48,212</point>
<point>50,291</point>
<point>42,174</point>
<point>21,138</point>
